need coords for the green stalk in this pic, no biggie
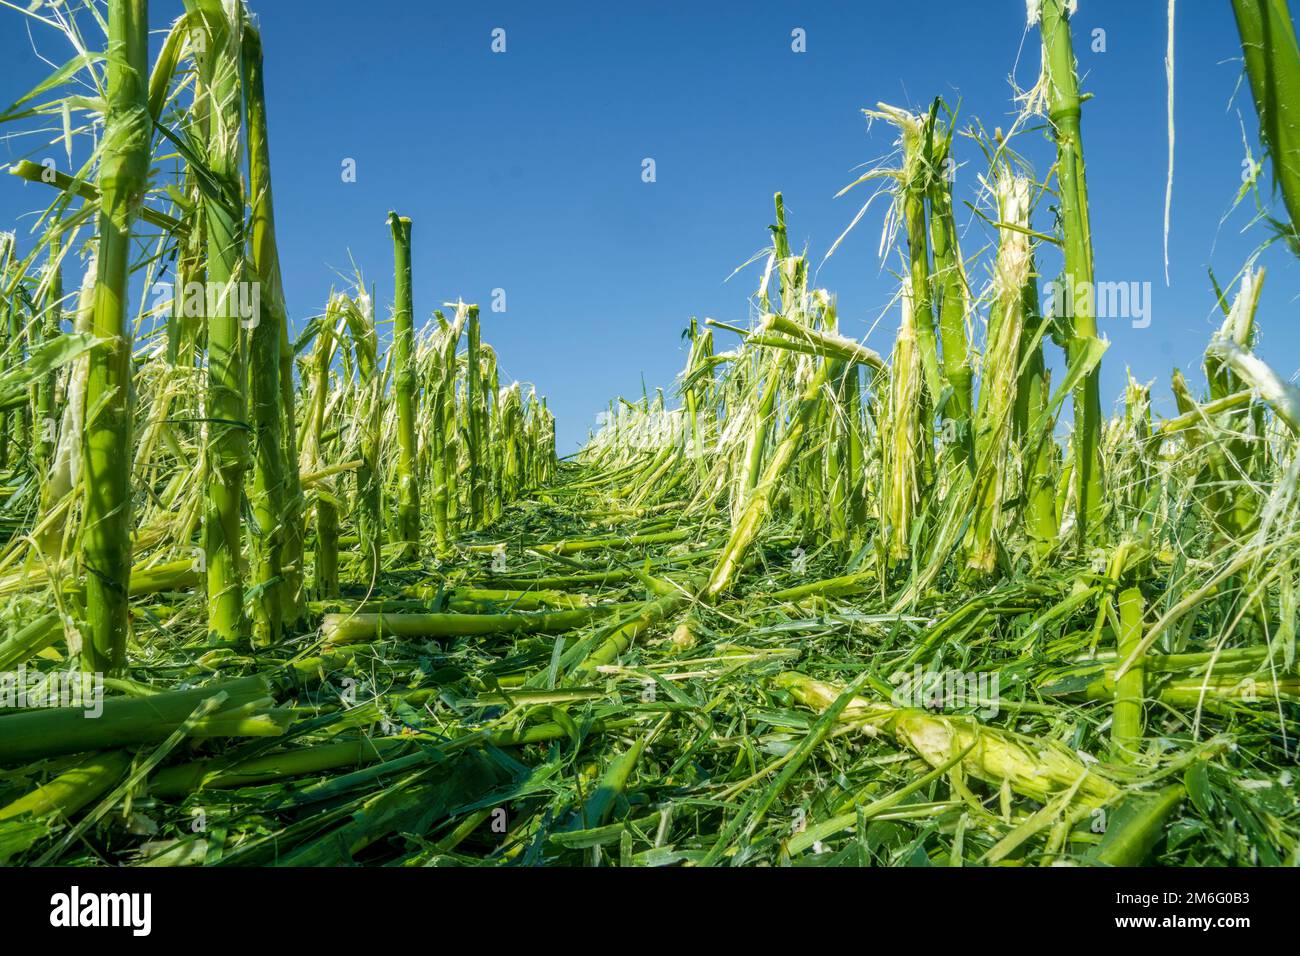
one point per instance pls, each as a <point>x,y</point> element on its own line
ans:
<point>20,355</point>
<point>294,546</point>
<point>827,344</point>
<point>106,506</point>
<point>269,487</point>
<point>292,556</point>
<point>1032,393</point>
<point>614,781</point>
<point>780,247</point>
<point>326,583</point>
<point>510,415</point>
<point>998,380</point>
<point>1126,720</point>
<point>6,360</point>
<point>488,414</point>
<point>1215,478</point>
<point>442,394</point>
<point>1030,766</point>
<point>30,639</point>
<point>184,335</point>
<point>73,789</point>
<point>697,394</point>
<point>450,433</point>
<point>9,330</point>
<point>125,721</point>
<point>226,452</point>
<point>618,637</point>
<point>368,417</point>
<point>791,271</point>
<point>50,329</point>
<point>1064,109</point>
<point>950,286</point>
<point>408,489</point>
<point>914,189</point>
<point>746,528</point>
<point>901,436</point>
<point>838,475</point>
<point>756,444</point>
<point>64,473</point>
<point>173,782</point>
<point>352,628</point>
<point>473,397</point>
<point>1268,44</point>
<point>1136,825</point>
<point>851,397</point>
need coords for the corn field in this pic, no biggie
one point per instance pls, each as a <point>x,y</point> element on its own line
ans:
<point>321,592</point>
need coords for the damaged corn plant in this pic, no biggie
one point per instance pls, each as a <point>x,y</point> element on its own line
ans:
<point>325,595</point>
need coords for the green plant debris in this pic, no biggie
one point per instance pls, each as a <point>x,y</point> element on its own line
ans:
<point>315,597</point>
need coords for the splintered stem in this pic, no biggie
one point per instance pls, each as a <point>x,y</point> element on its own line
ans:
<point>107,502</point>
<point>1064,107</point>
<point>404,380</point>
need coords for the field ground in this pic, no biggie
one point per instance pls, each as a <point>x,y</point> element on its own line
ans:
<point>598,713</point>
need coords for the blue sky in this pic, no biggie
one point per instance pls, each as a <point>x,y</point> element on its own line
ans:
<point>522,170</point>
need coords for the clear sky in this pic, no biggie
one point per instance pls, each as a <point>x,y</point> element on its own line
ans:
<point>522,170</point>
